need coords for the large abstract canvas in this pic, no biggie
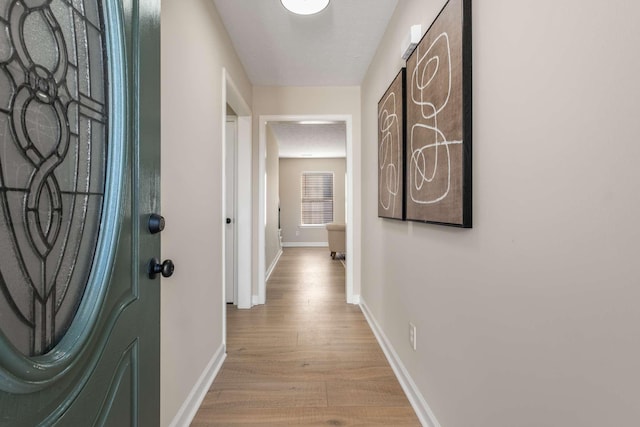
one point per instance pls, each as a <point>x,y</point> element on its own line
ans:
<point>391,126</point>
<point>438,146</point>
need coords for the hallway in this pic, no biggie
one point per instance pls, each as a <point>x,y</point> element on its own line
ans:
<point>304,358</point>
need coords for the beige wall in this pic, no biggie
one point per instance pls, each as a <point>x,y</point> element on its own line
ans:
<point>312,101</point>
<point>290,172</point>
<point>271,238</point>
<point>195,48</point>
<point>531,318</point>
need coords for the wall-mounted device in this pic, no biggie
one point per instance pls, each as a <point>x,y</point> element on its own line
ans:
<point>411,41</point>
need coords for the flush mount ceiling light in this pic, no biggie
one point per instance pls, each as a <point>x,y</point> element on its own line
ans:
<point>317,122</point>
<point>305,7</point>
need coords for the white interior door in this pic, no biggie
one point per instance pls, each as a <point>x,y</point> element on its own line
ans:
<point>231,291</point>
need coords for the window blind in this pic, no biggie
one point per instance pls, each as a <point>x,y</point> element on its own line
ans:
<point>316,207</point>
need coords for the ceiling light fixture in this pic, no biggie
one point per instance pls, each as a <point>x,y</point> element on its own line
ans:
<point>317,122</point>
<point>305,7</point>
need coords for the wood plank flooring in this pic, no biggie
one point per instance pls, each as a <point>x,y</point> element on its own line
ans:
<point>305,358</point>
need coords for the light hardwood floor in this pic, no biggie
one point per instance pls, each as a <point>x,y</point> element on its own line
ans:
<point>304,358</point>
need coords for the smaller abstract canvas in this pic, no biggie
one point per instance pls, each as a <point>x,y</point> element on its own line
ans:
<point>391,126</point>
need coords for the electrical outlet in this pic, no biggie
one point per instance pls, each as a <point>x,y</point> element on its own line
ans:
<point>297,232</point>
<point>412,335</point>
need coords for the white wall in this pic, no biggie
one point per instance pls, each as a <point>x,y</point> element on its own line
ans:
<point>290,198</point>
<point>531,318</point>
<point>195,48</point>
<point>312,101</point>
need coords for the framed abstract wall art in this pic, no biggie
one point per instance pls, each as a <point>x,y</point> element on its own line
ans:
<point>391,137</point>
<point>438,145</point>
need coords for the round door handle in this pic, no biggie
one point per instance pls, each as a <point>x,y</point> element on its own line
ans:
<point>156,223</point>
<point>228,220</point>
<point>155,268</point>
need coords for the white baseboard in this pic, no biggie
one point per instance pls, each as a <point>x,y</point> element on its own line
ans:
<point>305,244</point>
<point>424,413</point>
<point>191,405</point>
<point>255,300</point>
<point>273,266</point>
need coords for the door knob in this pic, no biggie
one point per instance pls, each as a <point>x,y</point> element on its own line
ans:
<point>228,220</point>
<point>155,268</point>
<point>156,223</point>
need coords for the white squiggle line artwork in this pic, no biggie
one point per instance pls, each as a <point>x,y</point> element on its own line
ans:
<point>430,68</point>
<point>389,154</point>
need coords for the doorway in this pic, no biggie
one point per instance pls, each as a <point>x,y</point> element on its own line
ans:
<point>351,298</point>
<point>239,258</point>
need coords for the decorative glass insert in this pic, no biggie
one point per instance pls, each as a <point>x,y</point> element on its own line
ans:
<point>53,153</point>
<point>316,198</point>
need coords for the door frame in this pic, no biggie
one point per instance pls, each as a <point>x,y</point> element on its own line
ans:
<point>351,298</point>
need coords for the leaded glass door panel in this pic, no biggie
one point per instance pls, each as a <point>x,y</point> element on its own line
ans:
<point>79,139</point>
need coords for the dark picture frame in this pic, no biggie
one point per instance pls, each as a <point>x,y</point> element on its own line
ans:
<point>392,121</point>
<point>439,121</point>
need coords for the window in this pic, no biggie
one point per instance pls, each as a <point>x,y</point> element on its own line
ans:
<point>316,198</point>
<point>55,160</point>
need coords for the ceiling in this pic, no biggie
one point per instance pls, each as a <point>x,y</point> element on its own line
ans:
<point>331,48</point>
<point>310,140</point>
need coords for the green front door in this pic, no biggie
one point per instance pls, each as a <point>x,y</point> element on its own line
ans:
<point>79,179</point>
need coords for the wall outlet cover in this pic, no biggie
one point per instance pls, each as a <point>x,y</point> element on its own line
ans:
<point>412,336</point>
